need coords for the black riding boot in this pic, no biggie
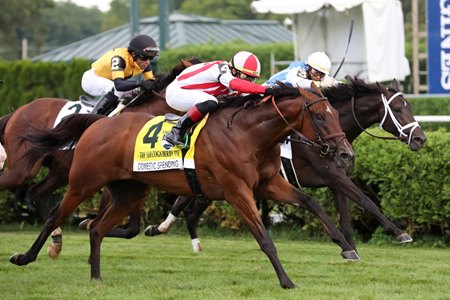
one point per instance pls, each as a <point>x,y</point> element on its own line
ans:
<point>192,116</point>
<point>176,136</point>
<point>105,104</point>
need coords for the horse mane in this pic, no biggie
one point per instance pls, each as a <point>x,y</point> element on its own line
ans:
<point>247,99</point>
<point>162,81</point>
<point>355,87</point>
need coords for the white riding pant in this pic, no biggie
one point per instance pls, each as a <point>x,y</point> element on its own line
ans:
<point>184,99</point>
<point>96,85</point>
<point>2,156</point>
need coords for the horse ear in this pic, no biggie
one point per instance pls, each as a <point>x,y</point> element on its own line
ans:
<point>316,90</point>
<point>184,62</point>
<point>349,78</point>
<point>382,87</point>
<point>395,85</point>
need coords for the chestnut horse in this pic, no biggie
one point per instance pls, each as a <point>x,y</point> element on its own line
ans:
<point>360,105</point>
<point>232,163</point>
<point>42,113</point>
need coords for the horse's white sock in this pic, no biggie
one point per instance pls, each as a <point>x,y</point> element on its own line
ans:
<point>164,226</point>
<point>196,245</point>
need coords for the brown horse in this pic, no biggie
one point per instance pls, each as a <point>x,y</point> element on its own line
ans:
<point>42,113</point>
<point>232,163</point>
<point>360,105</point>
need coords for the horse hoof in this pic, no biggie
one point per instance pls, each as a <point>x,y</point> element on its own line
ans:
<point>14,259</point>
<point>404,238</point>
<point>350,255</point>
<point>85,224</point>
<point>288,285</point>
<point>152,230</point>
<point>17,259</point>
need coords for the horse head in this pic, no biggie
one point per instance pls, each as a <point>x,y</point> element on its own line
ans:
<point>398,117</point>
<point>375,103</point>
<point>322,125</point>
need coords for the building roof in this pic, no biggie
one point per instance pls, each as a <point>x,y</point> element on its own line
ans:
<point>184,30</point>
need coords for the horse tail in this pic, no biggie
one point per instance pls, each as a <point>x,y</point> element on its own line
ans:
<point>3,121</point>
<point>65,134</point>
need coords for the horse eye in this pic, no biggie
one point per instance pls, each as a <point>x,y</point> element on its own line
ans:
<point>320,117</point>
<point>397,110</point>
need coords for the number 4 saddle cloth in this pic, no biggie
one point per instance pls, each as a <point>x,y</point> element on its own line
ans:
<point>150,154</point>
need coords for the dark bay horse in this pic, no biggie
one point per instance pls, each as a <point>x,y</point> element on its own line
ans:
<point>42,113</point>
<point>360,105</point>
<point>232,163</point>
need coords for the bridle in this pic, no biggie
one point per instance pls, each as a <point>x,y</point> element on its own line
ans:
<point>388,111</point>
<point>322,141</point>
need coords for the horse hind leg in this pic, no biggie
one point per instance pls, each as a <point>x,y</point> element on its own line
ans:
<point>60,213</point>
<point>180,204</point>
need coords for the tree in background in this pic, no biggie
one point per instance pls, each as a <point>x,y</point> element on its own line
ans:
<point>66,23</point>
<point>21,19</point>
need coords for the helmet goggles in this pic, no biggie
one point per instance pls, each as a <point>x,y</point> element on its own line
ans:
<point>148,53</point>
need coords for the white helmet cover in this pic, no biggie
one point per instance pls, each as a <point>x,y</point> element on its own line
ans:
<point>320,61</point>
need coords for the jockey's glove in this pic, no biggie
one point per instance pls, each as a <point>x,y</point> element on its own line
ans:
<point>148,85</point>
<point>328,81</point>
<point>270,91</point>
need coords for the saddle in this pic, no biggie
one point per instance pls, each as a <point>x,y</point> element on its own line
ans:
<point>87,101</point>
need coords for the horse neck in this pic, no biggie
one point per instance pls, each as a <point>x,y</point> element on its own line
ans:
<point>154,105</point>
<point>265,125</point>
<point>367,111</point>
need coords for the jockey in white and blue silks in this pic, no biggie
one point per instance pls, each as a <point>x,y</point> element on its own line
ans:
<point>303,73</point>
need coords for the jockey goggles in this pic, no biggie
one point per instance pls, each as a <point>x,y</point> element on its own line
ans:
<point>245,76</point>
<point>315,73</point>
<point>149,53</point>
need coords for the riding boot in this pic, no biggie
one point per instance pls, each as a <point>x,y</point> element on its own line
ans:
<point>192,116</point>
<point>106,104</point>
<point>176,135</point>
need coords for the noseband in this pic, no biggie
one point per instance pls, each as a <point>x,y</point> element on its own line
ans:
<point>387,110</point>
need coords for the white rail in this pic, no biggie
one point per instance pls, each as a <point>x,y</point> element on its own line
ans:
<point>434,119</point>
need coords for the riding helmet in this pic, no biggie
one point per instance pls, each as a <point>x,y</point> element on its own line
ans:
<point>247,63</point>
<point>319,61</point>
<point>144,46</point>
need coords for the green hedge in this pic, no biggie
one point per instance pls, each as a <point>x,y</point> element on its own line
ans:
<point>26,80</point>
<point>412,188</point>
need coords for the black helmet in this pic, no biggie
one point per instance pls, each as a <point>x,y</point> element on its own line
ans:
<point>143,46</point>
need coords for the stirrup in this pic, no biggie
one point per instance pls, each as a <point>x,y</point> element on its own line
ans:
<point>171,117</point>
<point>169,143</point>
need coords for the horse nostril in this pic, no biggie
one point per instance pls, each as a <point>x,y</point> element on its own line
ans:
<point>419,140</point>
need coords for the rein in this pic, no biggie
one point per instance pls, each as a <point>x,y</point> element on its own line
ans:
<point>325,148</point>
<point>387,110</point>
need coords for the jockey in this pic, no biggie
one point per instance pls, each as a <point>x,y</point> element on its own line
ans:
<point>301,73</point>
<point>108,75</point>
<point>196,88</point>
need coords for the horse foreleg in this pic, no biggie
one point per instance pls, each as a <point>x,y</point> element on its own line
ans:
<point>351,190</point>
<point>280,190</point>
<point>241,198</point>
<point>192,214</point>
<point>341,204</point>
<point>128,196</point>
